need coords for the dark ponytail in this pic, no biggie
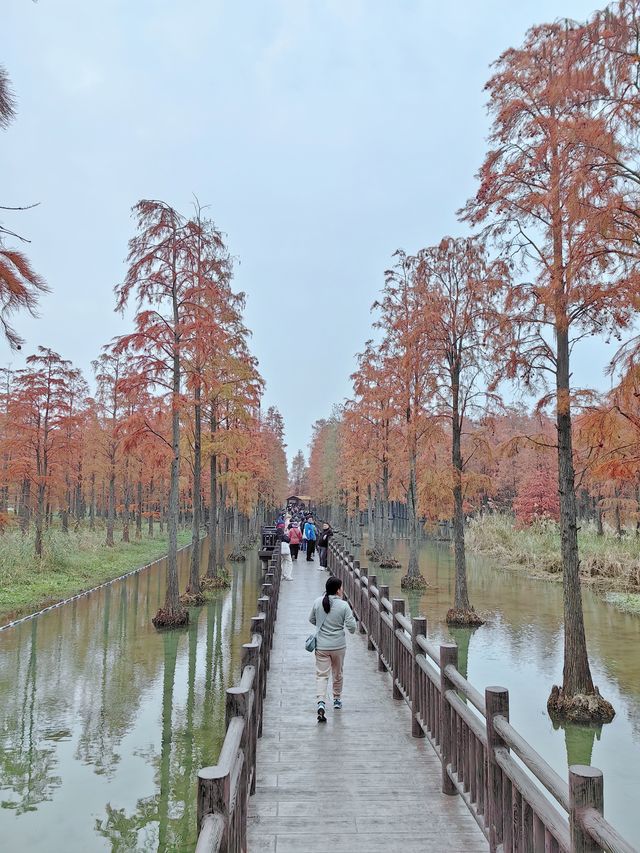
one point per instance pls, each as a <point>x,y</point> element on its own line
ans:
<point>332,587</point>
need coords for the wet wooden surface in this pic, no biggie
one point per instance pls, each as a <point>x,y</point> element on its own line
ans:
<point>359,782</point>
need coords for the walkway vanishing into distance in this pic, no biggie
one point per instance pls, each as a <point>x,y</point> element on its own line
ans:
<point>358,783</point>
<point>418,759</point>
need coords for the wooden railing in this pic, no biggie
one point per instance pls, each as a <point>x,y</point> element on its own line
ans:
<point>224,790</point>
<point>484,759</point>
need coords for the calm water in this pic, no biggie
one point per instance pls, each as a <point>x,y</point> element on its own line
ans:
<point>520,648</point>
<point>104,723</point>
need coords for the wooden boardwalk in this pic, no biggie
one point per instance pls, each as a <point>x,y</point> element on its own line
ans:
<point>358,783</point>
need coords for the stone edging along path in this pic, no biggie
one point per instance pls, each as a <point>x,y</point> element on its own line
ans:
<point>86,592</point>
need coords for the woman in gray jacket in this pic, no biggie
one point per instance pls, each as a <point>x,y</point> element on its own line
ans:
<point>332,613</point>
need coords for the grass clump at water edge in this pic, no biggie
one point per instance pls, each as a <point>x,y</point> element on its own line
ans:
<point>71,562</point>
<point>608,562</point>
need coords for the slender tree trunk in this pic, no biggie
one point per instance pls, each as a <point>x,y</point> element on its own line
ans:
<point>576,673</point>
<point>222,518</point>
<point>126,498</point>
<point>25,506</point>
<point>384,508</point>
<point>616,496</point>
<point>92,502</point>
<point>370,519</point>
<point>212,564</point>
<point>111,509</point>
<point>150,509</point>
<point>413,569</point>
<point>172,597</point>
<point>194,573</point>
<point>600,528</point>
<point>40,518</point>
<point>139,511</point>
<point>67,501</point>
<point>461,599</point>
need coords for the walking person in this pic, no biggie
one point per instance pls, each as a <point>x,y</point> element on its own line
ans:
<point>295,538</point>
<point>323,544</point>
<point>285,559</point>
<point>310,534</point>
<point>331,615</point>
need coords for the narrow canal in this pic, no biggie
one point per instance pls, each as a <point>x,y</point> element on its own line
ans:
<point>520,648</point>
<point>104,722</point>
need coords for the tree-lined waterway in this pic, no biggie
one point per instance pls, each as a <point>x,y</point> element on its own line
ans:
<point>104,722</point>
<point>520,648</point>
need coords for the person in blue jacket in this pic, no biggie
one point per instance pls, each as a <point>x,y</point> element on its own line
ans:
<point>311,534</point>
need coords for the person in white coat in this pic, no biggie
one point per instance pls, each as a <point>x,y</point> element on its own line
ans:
<point>286,563</point>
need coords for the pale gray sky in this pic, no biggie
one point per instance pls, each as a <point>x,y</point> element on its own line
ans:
<point>323,133</point>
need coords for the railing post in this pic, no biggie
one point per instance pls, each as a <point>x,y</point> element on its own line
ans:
<point>251,657</point>
<point>586,790</point>
<point>448,655</point>
<point>496,702</point>
<point>384,593</point>
<point>418,627</point>
<point>373,581</point>
<point>237,705</point>
<point>398,607</point>
<point>363,597</point>
<point>213,795</point>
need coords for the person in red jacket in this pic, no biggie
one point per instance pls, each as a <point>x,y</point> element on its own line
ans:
<point>295,538</point>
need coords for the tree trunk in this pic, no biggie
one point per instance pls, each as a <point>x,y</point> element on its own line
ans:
<point>111,511</point>
<point>92,503</point>
<point>371,529</point>
<point>40,518</point>
<point>126,499</point>
<point>576,676</point>
<point>600,528</point>
<point>212,564</point>
<point>172,597</point>
<point>25,506</point>
<point>413,569</point>
<point>616,496</point>
<point>385,508</point>
<point>461,596</point>
<point>194,572</point>
<point>222,519</point>
<point>150,509</point>
<point>139,512</point>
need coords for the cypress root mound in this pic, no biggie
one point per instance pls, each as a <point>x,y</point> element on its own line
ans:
<point>236,556</point>
<point>581,708</point>
<point>192,599</point>
<point>464,618</point>
<point>390,563</point>
<point>377,554</point>
<point>413,582</point>
<point>222,581</point>
<point>165,619</point>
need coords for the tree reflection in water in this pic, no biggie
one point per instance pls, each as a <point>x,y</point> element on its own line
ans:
<point>139,712</point>
<point>27,768</point>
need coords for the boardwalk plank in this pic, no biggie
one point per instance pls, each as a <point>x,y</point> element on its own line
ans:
<point>358,783</point>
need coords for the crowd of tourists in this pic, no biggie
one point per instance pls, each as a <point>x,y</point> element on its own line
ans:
<point>297,531</point>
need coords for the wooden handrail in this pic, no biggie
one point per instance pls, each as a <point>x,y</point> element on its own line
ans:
<point>506,799</point>
<point>224,789</point>
<point>554,784</point>
<point>211,833</point>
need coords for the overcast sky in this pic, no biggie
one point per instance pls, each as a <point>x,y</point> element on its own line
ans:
<point>324,134</point>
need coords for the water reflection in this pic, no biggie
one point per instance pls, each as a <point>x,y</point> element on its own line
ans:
<point>104,723</point>
<point>520,647</point>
